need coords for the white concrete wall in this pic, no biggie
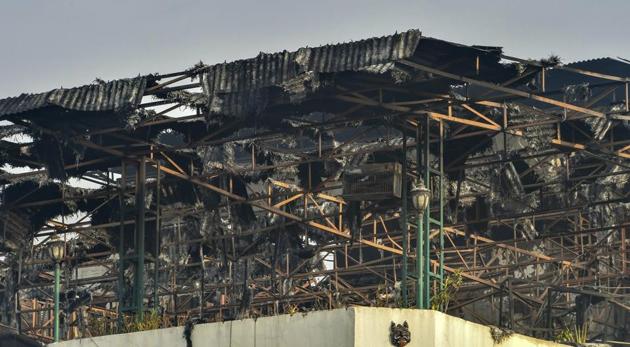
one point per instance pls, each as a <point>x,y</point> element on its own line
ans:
<point>429,328</point>
<point>354,327</point>
<point>315,329</point>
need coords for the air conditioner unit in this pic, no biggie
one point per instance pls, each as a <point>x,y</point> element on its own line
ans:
<point>378,181</point>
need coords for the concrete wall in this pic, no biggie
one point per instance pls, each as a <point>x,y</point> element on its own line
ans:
<point>429,328</point>
<point>353,327</point>
<point>315,329</point>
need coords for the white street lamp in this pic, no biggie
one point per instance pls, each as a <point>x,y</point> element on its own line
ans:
<point>420,196</point>
<point>56,249</point>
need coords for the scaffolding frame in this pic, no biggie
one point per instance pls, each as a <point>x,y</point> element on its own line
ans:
<point>486,280</point>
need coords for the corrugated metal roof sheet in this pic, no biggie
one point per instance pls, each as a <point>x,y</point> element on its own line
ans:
<point>558,79</point>
<point>595,61</point>
<point>236,87</point>
<point>109,96</point>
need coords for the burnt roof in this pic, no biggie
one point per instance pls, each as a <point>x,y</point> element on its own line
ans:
<point>559,78</point>
<point>238,87</point>
<point>249,86</point>
<point>107,96</point>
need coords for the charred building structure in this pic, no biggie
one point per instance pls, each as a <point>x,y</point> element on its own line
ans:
<point>400,171</point>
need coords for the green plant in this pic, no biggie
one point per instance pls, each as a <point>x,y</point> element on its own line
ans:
<point>103,325</point>
<point>564,335</point>
<point>443,297</point>
<point>581,333</point>
<point>293,309</point>
<point>575,334</point>
<point>150,321</point>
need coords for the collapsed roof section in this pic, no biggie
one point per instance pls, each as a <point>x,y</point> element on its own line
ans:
<point>113,96</point>
<point>52,118</point>
<point>247,87</point>
<point>241,87</point>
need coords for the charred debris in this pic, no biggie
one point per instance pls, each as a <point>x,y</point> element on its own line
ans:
<point>287,186</point>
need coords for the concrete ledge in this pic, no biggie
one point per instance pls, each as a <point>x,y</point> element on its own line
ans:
<point>352,327</point>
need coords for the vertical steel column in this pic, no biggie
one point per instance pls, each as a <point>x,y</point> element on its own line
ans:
<point>624,253</point>
<point>549,314</point>
<point>158,227</point>
<point>511,303</point>
<point>140,209</point>
<point>404,226</point>
<point>202,280</point>
<point>426,276</point>
<point>121,244</point>
<point>501,297</point>
<point>425,220</point>
<point>441,217</point>
<point>178,239</point>
<point>57,289</point>
<point>420,235</point>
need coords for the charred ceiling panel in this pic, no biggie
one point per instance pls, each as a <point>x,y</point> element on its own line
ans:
<point>57,115</point>
<point>242,87</point>
<point>15,230</point>
<point>106,96</point>
<point>23,197</point>
<point>558,78</point>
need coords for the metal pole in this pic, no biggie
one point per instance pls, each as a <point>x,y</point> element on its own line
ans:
<point>56,312</point>
<point>203,279</point>
<point>403,224</point>
<point>419,265</point>
<point>419,237</point>
<point>623,252</point>
<point>156,256</point>
<point>511,302</point>
<point>426,258</point>
<point>121,245</point>
<point>140,208</point>
<point>501,297</point>
<point>18,306</point>
<point>549,314</point>
<point>627,95</point>
<point>441,183</point>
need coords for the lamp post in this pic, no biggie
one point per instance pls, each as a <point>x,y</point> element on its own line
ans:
<point>420,197</point>
<point>57,250</point>
<point>199,287</point>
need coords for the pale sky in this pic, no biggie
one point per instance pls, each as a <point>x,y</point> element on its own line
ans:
<point>51,43</point>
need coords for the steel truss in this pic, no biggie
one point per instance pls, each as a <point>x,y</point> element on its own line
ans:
<point>559,263</point>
